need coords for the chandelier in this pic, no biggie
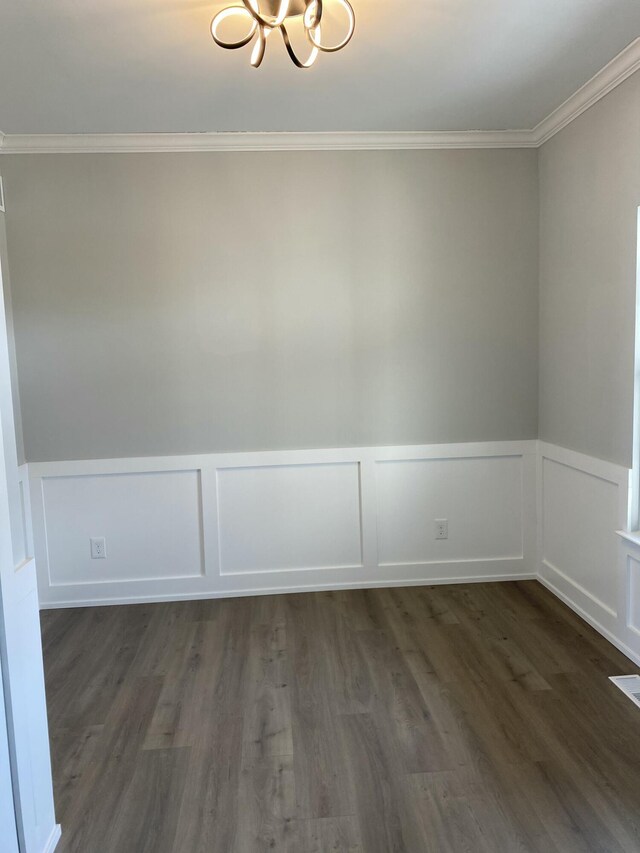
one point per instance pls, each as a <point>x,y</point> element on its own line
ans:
<point>265,16</point>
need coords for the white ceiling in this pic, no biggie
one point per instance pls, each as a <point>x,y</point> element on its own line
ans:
<point>125,66</point>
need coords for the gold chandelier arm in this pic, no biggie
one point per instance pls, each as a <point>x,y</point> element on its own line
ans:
<point>287,43</point>
<point>254,10</point>
<point>310,22</point>
<point>230,12</point>
<point>311,29</point>
<point>257,54</point>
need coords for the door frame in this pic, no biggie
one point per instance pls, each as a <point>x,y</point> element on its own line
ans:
<point>23,689</point>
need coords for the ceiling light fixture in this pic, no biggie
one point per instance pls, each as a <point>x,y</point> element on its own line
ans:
<point>265,16</point>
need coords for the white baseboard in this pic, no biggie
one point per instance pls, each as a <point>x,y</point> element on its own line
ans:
<point>385,584</point>
<point>284,521</point>
<point>632,654</point>
<point>52,842</point>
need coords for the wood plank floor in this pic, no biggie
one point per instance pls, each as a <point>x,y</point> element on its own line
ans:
<point>463,718</point>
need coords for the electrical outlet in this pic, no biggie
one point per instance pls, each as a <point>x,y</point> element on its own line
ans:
<point>442,528</point>
<point>98,548</point>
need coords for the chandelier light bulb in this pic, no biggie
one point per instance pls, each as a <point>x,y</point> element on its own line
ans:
<point>265,16</point>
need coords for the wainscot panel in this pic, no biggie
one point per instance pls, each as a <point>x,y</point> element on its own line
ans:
<point>582,503</point>
<point>282,521</point>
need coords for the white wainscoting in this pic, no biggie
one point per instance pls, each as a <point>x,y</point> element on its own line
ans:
<point>582,502</point>
<point>282,521</point>
<point>250,523</point>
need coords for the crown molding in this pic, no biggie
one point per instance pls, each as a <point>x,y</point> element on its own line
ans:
<point>614,73</point>
<point>622,66</point>
<point>326,141</point>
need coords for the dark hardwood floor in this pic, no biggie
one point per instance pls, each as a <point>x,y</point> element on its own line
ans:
<point>464,718</point>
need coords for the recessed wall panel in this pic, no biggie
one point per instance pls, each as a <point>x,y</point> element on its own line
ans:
<point>151,523</point>
<point>579,520</point>
<point>279,518</point>
<point>481,498</point>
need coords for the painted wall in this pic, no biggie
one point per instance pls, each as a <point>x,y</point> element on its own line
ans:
<point>175,303</point>
<point>589,195</point>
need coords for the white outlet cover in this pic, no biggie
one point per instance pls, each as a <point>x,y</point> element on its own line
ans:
<point>98,548</point>
<point>442,528</point>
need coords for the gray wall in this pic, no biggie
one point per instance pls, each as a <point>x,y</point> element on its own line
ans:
<point>171,303</point>
<point>589,195</point>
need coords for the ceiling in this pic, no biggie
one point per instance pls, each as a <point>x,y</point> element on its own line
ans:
<point>129,66</point>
